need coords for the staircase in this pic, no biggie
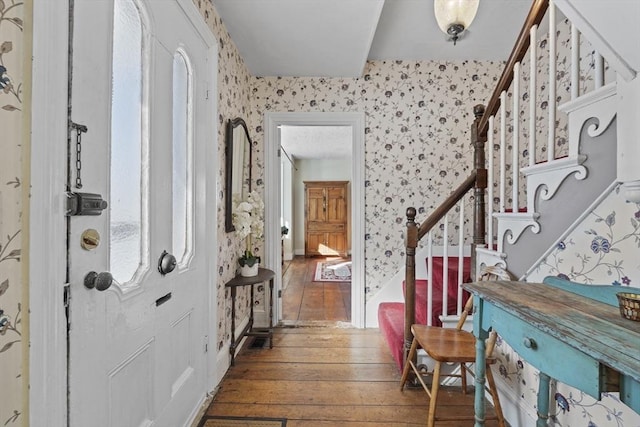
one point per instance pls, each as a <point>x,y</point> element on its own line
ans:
<point>544,150</point>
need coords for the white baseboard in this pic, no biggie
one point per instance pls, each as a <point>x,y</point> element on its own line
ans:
<point>198,411</point>
<point>223,362</point>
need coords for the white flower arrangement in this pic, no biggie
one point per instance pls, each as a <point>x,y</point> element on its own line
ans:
<point>248,220</point>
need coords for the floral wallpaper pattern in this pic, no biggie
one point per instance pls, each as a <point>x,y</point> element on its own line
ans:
<point>11,346</point>
<point>602,249</point>
<point>417,142</point>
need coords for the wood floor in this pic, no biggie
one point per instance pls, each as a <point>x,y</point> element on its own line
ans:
<point>322,377</point>
<point>304,300</point>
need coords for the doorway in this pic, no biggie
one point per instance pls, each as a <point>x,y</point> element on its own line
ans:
<point>354,123</point>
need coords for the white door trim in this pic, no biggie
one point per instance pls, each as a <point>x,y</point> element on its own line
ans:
<point>272,194</point>
<point>45,215</point>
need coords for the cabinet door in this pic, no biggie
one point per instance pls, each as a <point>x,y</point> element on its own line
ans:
<point>316,206</point>
<point>336,204</point>
<point>336,243</point>
<point>315,243</point>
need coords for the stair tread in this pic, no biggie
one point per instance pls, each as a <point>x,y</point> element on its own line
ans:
<point>391,314</point>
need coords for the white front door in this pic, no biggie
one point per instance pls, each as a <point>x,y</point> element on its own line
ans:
<point>140,84</point>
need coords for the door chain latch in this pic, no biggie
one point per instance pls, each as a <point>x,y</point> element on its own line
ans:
<point>80,129</point>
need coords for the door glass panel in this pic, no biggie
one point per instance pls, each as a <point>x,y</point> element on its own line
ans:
<point>181,184</point>
<point>126,142</point>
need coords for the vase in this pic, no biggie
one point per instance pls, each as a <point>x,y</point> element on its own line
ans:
<point>246,271</point>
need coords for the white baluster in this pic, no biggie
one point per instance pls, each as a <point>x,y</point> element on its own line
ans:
<point>552,82</point>
<point>490,184</point>
<point>533,90</point>
<point>515,146</point>
<point>445,262</point>
<point>503,149</point>
<point>575,62</point>
<point>460,257</point>
<point>429,278</point>
<point>599,65</point>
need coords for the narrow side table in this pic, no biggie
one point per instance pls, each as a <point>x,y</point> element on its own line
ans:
<point>264,274</point>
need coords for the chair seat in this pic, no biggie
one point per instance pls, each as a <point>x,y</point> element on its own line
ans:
<point>446,344</point>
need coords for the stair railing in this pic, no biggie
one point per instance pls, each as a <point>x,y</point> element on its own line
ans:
<point>477,181</point>
<point>495,122</point>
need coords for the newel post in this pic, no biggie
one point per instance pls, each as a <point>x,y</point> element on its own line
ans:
<point>479,211</point>
<point>410,279</point>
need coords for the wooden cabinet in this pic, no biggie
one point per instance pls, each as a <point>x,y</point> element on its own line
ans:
<point>325,217</point>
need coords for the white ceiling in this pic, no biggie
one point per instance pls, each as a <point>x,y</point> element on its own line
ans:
<point>334,38</point>
<point>316,142</point>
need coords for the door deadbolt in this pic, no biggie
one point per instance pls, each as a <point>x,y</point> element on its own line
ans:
<point>166,263</point>
<point>90,239</point>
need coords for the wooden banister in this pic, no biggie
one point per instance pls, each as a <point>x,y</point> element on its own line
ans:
<point>536,13</point>
<point>477,180</point>
<point>446,206</point>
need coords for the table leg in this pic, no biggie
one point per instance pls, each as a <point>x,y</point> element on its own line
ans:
<point>232,347</point>
<point>481,366</point>
<point>543,400</point>
<point>271,313</point>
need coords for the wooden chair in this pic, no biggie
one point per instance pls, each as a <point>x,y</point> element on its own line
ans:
<point>447,345</point>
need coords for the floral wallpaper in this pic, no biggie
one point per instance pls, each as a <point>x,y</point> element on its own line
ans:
<point>602,249</point>
<point>417,142</point>
<point>418,116</point>
<point>11,347</point>
<point>416,150</point>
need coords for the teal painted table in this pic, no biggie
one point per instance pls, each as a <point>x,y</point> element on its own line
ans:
<point>583,342</point>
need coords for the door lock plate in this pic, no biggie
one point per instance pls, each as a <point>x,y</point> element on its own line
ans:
<point>85,204</point>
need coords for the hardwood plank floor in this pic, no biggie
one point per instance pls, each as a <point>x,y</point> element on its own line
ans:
<point>328,376</point>
<point>305,300</point>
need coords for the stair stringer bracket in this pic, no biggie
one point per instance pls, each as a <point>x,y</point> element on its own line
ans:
<point>550,175</point>
<point>488,257</point>
<point>512,225</point>
<point>600,104</point>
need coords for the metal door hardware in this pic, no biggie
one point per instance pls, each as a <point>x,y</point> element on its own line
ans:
<point>100,281</point>
<point>85,204</point>
<point>163,299</point>
<point>90,239</point>
<point>80,129</point>
<point>166,263</point>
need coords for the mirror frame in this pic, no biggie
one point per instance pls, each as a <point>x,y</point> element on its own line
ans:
<point>234,125</point>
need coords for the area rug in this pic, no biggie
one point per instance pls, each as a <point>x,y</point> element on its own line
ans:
<point>220,421</point>
<point>336,270</point>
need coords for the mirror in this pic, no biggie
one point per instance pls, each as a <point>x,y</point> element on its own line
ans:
<point>238,174</point>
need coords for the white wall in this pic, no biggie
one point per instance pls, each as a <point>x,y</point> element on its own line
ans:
<point>315,170</point>
<point>286,210</point>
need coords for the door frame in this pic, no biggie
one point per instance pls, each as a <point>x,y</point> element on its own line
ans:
<point>44,223</point>
<point>273,254</point>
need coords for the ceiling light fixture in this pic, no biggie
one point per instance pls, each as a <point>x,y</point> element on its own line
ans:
<point>455,16</point>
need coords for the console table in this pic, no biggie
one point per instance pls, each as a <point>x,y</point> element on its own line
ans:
<point>583,342</point>
<point>240,281</point>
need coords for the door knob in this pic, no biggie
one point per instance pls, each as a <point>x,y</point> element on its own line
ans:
<point>166,263</point>
<point>100,281</point>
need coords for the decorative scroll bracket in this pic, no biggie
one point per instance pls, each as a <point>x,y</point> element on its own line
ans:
<point>550,176</point>
<point>512,225</point>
